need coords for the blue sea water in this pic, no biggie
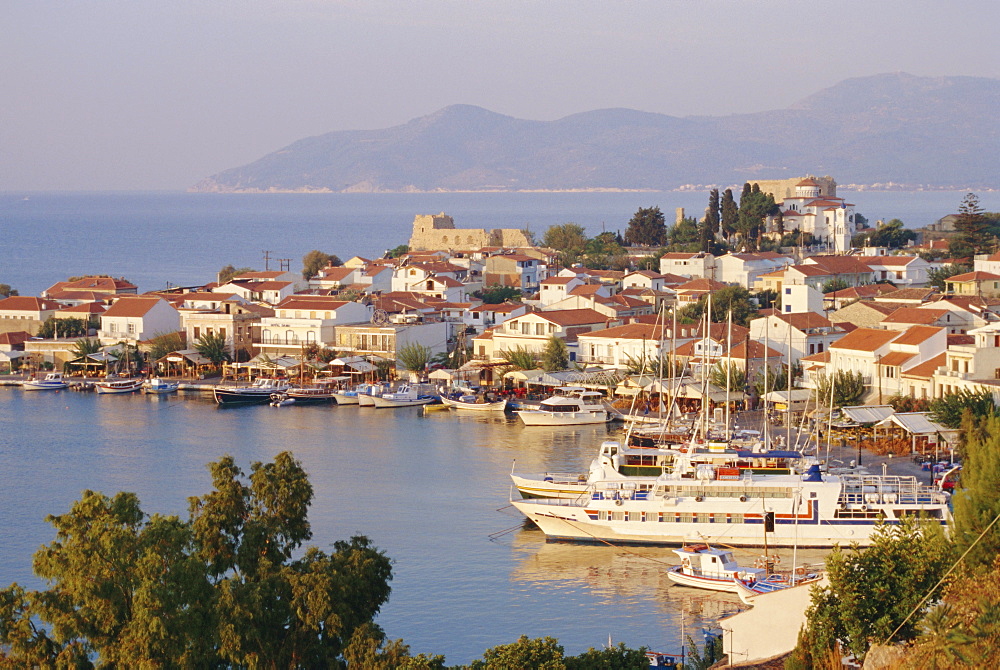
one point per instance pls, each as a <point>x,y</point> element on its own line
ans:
<point>184,238</point>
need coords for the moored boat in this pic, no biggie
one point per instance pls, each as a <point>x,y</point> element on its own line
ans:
<point>318,394</point>
<point>810,510</point>
<point>53,382</point>
<point>160,386</point>
<point>258,393</point>
<point>119,385</point>
<point>407,395</point>
<point>472,403</point>
<point>570,406</point>
<point>714,569</point>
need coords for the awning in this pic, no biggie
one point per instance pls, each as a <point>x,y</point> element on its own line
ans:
<point>12,355</point>
<point>102,357</point>
<point>868,413</point>
<point>917,423</point>
<point>361,366</point>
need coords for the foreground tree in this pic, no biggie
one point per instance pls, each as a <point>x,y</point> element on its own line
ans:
<point>872,591</point>
<point>414,357</point>
<point>546,653</point>
<point>221,589</point>
<point>977,502</point>
<point>647,228</point>
<point>949,409</point>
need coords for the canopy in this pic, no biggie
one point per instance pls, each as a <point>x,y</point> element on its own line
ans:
<point>11,355</point>
<point>524,375</point>
<point>189,355</point>
<point>917,423</point>
<point>868,413</point>
<point>102,357</point>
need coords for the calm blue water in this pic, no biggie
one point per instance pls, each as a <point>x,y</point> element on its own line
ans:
<point>185,238</point>
<point>428,490</point>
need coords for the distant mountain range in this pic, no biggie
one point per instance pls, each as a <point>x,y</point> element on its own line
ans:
<point>916,132</point>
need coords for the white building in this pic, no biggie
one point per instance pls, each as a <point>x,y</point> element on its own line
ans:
<point>693,265</point>
<point>302,320</point>
<point>828,219</point>
<point>138,318</point>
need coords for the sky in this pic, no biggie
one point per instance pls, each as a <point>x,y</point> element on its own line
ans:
<point>152,95</point>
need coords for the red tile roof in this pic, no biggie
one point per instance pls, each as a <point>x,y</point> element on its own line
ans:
<point>917,334</point>
<point>865,339</point>
<point>571,317</point>
<point>27,303</point>
<point>978,275</point>
<point>132,307</point>
<point>915,315</point>
<point>895,358</point>
<point>926,369</point>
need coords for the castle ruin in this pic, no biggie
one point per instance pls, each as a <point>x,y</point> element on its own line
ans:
<point>438,231</point>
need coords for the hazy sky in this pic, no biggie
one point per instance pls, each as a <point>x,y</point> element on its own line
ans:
<point>143,94</point>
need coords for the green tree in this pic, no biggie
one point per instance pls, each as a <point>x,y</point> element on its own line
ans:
<point>213,347</point>
<point>86,346</point>
<point>835,284</point>
<point>316,260</point>
<point>221,589</point>
<point>848,388</point>
<point>731,298</point>
<point>647,228</point>
<point>684,235</point>
<point>605,251</point>
<point>6,291</point>
<point>556,355</point>
<point>972,225</point>
<point>713,211</point>
<point>413,357</point>
<point>539,654</point>
<point>163,344</point>
<point>569,239</point>
<point>228,272</point>
<point>72,327</point>
<point>755,205</point>
<point>730,214</point>
<point>893,234</point>
<point>937,277</point>
<point>977,502</point>
<point>731,375</point>
<point>776,379</point>
<point>949,409</point>
<point>496,294</point>
<point>520,358</point>
<point>873,590</point>
<point>396,252</point>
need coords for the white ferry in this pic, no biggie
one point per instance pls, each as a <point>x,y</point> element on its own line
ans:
<point>811,510</point>
<point>644,465</point>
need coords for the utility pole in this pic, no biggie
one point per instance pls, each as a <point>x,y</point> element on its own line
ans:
<point>284,264</point>
<point>267,260</point>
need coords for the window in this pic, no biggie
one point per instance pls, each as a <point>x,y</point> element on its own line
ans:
<point>131,329</point>
<point>512,326</point>
<point>539,329</point>
<point>197,332</point>
<point>788,291</point>
<point>526,329</point>
<point>222,333</point>
<point>788,309</point>
<point>552,328</point>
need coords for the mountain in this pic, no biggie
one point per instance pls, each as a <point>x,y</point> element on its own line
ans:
<point>918,131</point>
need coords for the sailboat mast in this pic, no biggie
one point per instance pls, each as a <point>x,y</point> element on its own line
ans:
<point>729,367</point>
<point>766,432</point>
<point>788,390</point>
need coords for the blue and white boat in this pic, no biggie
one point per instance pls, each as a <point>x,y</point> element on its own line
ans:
<point>53,381</point>
<point>158,386</point>
<point>408,395</point>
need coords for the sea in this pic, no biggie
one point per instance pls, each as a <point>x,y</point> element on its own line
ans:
<point>431,490</point>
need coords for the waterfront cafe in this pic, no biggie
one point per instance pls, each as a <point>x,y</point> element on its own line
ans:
<point>186,363</point>
<point>91,365</point>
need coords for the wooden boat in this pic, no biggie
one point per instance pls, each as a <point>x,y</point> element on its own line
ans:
<point>258,393</point>
<point>714,569</point>
<point>748,593</point>
<point>119,386</point>
<point>311,395</point>
<point>159,386</point>
<point>472,403</point>
<point>53,382</point>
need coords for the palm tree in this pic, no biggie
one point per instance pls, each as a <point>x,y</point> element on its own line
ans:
<point>520,358</point>
<point>414,357</point>
<point>86,346</point>
<point>213,347</point>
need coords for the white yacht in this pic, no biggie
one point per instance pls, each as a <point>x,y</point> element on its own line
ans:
<point>570,406</point>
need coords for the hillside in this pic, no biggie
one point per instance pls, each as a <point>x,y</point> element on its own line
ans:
<point>919,131</point>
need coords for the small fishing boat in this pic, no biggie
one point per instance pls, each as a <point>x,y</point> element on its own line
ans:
<point>317,394</point>
<point>473,403</point>
<point>570,406</point>
<point>258,393</point>
<point>749,592</point>
<point>119,385</point>
<point>367,394</point>
<point>407,395</point>
<point>53,381</point>
<point>714,569</point>
<point>160,387</point>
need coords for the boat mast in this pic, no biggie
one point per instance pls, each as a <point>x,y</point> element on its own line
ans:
<point>766,431</point>
<point>729,366</point>
<point>788,390</point>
